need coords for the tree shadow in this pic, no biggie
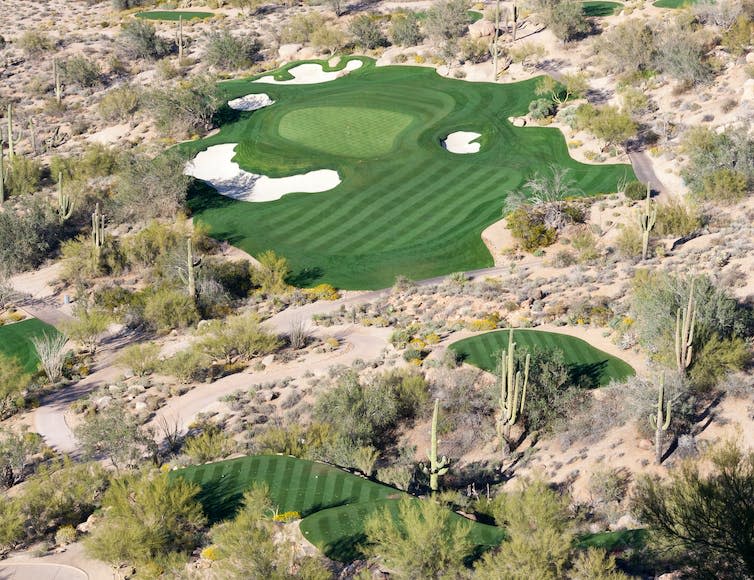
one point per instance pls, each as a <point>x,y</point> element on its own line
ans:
<point>587,375</point>
<point>306,276</point>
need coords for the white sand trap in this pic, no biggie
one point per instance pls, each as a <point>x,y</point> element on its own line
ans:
<point>251,102</point>
<point>461,142</point>
<point>216,167</point>
<point>311,73</point>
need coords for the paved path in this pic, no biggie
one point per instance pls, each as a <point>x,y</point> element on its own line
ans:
<point>644,170</point>
<point>39,571</point>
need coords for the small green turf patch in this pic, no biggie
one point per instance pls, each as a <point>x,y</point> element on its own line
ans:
<point>344,131</point>
<point>584,360</point>
<point>674,3</point>
<point>15,340</point>
<point>597,8</point>
<point>173,15</point>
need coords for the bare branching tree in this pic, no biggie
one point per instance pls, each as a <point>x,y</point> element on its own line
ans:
<point>298,333</point>
<point>547,193</point>
<point>51,352</point>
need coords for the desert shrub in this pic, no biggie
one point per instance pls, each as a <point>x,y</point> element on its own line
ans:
<point>119,104</point>
<point>210,445</point>
<point>186,365</point>
<point>566,20</point>
<point>366,32</point>
<point>189,106</point>
<point>328,38</point>
<point>473,50</point>
<point>635,190</point>
<point>141,359</point>
<point>628,47</point>
<point>301,27</point>
<point>322,292</point>
<point>526,53</point>
<point>238,336</point>
<point>234,276</point>
<point>65,535</point>
<point>152,243</point>
<point>225,51</point>
<point>446,20</point>
<point>17,450</point>
<point>23,175</point>
<point>612,125</point>
<point>675,218</point>
<point>585,243</point>
<point>541,108</point>
<point>127,4</point>
<point>97,160</point>
<point>682,54</point>
<point>609,485</point>
<point>717,358</point>
<point>167,309</point>
<point>529,229</point>
<point>738,37</point>
<point>34,43</point>
<point>147,515</point>
<point>628,242</point>
<point>27,237</point>
<point>404,29</point>
<point>79,70</point>
<point>150,188</point>
<point>271,273</point>
<point>720,165</point>
<point>138,39</point>
<point>11,523</point>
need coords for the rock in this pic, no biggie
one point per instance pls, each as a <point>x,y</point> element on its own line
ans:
<point>481,28</point>
<point>750,58</point>
<point>748,92</point>
<point>86,527</point>
<point>268,360</point>
<point>103,402</point>
<point>140,406</point>
<point>625,522</point>
<point>267,395</point>
<point>644,444</point>
<point>518,121</point>
<point>288,51</point>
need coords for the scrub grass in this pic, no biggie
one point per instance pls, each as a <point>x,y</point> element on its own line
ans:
<point>484,350</point>
<point>405,206</point>
<point>173,15</point>
<point>15,340</point>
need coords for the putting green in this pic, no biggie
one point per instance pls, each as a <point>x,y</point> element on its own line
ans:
<point>484,351</point>
<point>596,8</point>
<point>15,340</point>
<point>333,502</point>
<point>405,206</point>
<point>173,15</point>
<point>344,131</point>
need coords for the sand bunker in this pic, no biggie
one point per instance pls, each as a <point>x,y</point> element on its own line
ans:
<point>251,102</point>
<point>311,73</point>
<point>216,167</point>
<point>461,142</point>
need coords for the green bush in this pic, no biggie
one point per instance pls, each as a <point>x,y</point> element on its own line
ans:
<point>674,218</point>
<point>27,237</point>
<point>119,104</point>
<point>300,27</point>
<point>635,190</point>
<point>404,29</point>
<point>211,445</point>
<point>23,175</point>
<point>541,108</point>
<point>139,39</point>
<point>34,43</point>
<point>529,229</point>
<point>566,20</point>
<point>185,108</point>
<point>79,70</point>
<point>227,52</point>
<point>725,185</point>
<point>474,50</point>
<point>168,309</point>
<point>141,359</point>
<point>240,336</point>
<point>629,241</point>
<point>366,32</point>
<point>186,366</point>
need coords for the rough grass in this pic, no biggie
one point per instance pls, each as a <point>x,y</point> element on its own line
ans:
<point>597,8</point>
<point>484,351</point>
<point>15,340</point>
<point>416,210</point>
<point>334,503</point>
<point>172,15</point>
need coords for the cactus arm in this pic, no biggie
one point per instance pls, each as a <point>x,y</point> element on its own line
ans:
<point>526,382</point>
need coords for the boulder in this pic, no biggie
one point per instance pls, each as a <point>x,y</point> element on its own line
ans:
<point>625,522</point>
<point>481,29</point>
<point>645,444</point>
<point>750,58</point>
<point>748,92</point>
<point>288,51</point>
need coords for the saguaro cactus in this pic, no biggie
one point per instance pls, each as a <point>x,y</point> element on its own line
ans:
<point>513,387</point>
<point>647,220</point>
<point>65,205</point>
<point>685,323</point>
<point>436,467</point>
<point>191,265</point>
<point>56,80</point>
<point>98,230</point>
<point>2,172</point>
<point>514,13</point>
<point>661,419</point>
<point>11,151</point>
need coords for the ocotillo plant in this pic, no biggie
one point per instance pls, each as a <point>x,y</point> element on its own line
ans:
<point>56,80</point>
<point>512,390</point>
<point>684,333</point>
<point>514,13</point>
<point>436,467</point>
<point>647,220</point>
<point>65,205</point>
<point>11,151</point>
<point>33,136</point>
<point>98,230</point>
<point>2,172</point>
<point>180,39</point>
<point>661,419</point>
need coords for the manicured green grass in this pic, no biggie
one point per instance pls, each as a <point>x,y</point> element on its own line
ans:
<point>484,351</point>
<point>472,14</point>
<point>597,8</point>
<point>674,3</point>
<point>334,503</point>
<point>405,206</point>
<point>173,15</point>
<point>15,340</point>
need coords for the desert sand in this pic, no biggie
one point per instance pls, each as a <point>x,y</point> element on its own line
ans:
<point>311,73</point>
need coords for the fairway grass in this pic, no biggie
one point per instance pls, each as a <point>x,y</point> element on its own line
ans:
<point>334,504</point>
<point>15,340</point>
<point>673,3</point>
<point>600,368</point>
<point>173,15</point>
<point>597,8</point>
<point>405,205</point>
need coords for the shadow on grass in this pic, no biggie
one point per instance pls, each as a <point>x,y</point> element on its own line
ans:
<point>587,375</point>
<point>220,499</point>
<point>306,277</point>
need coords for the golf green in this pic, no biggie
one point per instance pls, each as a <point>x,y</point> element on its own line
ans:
<point>484,351</point>
<point>405,205</point>
<point>673,3</point>
<point>15,340</point>
<point>173,15</point>
<point>597,8</point>
<point>334,503</point>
